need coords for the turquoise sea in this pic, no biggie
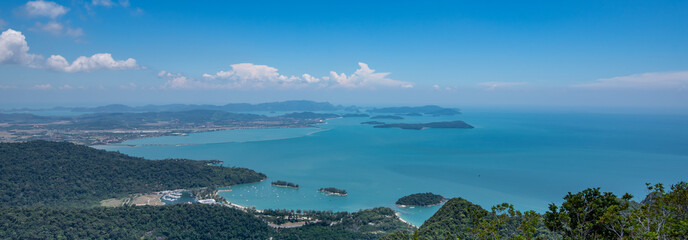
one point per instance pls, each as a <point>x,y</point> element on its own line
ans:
<point>525,158</point>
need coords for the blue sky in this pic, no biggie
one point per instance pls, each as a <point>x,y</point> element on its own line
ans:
<point>459,53</point>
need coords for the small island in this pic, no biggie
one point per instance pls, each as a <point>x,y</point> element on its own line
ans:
<point>333,191</point>
<point>387,117</point>
<point>280,183</point>
<point>373,123</point>
<point>421,199</point>
<point>421,126</point>
<point>350,115</point>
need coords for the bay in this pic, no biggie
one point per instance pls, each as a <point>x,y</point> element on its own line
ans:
<point>528,159</point>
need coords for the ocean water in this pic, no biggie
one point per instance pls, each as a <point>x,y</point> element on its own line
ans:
<point>529,159</point>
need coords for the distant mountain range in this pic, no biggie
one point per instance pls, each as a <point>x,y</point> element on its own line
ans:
<point>300,105</point>
<point>285,106</point>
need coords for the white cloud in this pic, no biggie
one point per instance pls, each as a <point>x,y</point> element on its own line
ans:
<point>653,80</point>
<point>66,87</point>
<point>86,64</point>
<point>495,85</point>
<point>248,75</point>
<point>310,79</point>
<point>42,8</point>
<point>177,80</point>
<point>15,50</point>
<point>42,86</point>
<point>366,77</point>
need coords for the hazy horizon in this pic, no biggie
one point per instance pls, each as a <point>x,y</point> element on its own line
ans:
<point>612,54</point>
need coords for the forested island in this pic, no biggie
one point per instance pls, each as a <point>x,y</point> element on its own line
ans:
<point>373,123</point>
<point>333,191</point>
<point>421,126</point>
<point>421,199</point>
<point>387,117</point>
<point>432,110</point>
<point>281,183</point>
<point>42,173</point>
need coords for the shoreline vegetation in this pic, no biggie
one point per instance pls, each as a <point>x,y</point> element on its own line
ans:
<point>42,173</point>
<point>280,183</point>
<point>333,191</point>
<point>25,164</point>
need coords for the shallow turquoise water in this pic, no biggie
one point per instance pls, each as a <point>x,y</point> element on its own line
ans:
<point>528,159</point>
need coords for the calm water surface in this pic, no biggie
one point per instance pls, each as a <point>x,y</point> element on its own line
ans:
<point>527,159</point>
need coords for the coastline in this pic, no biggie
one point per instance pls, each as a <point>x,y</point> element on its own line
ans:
<point>402,219</point>
<point>431,205</point>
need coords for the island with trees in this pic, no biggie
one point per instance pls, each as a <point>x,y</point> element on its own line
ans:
<point>387,117</point>
<point>333,191</point>
<point>280,183</point>
<point>421,126</point>
<point>421,199</point>
<point>432,110</point>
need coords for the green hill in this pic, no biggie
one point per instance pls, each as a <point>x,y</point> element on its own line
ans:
<point>41,173</point>
<point>180,221</point>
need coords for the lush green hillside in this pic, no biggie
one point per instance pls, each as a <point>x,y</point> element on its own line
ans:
<point>461,219</point>
<point>454,216</point>
<point>41,173</point>
<point>179,221</point>
<point>365,224</point>
<point>421,199</point>
<point>184,221</point>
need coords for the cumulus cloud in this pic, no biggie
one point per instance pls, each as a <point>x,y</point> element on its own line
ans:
<point>367,77</point>
<point>86,64</point>
<point>15,50</point>
<point>248,75</point>
<point>495,85</point>
<point>177,80</point>
<point>653,80</point>
<point>42,8</point>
